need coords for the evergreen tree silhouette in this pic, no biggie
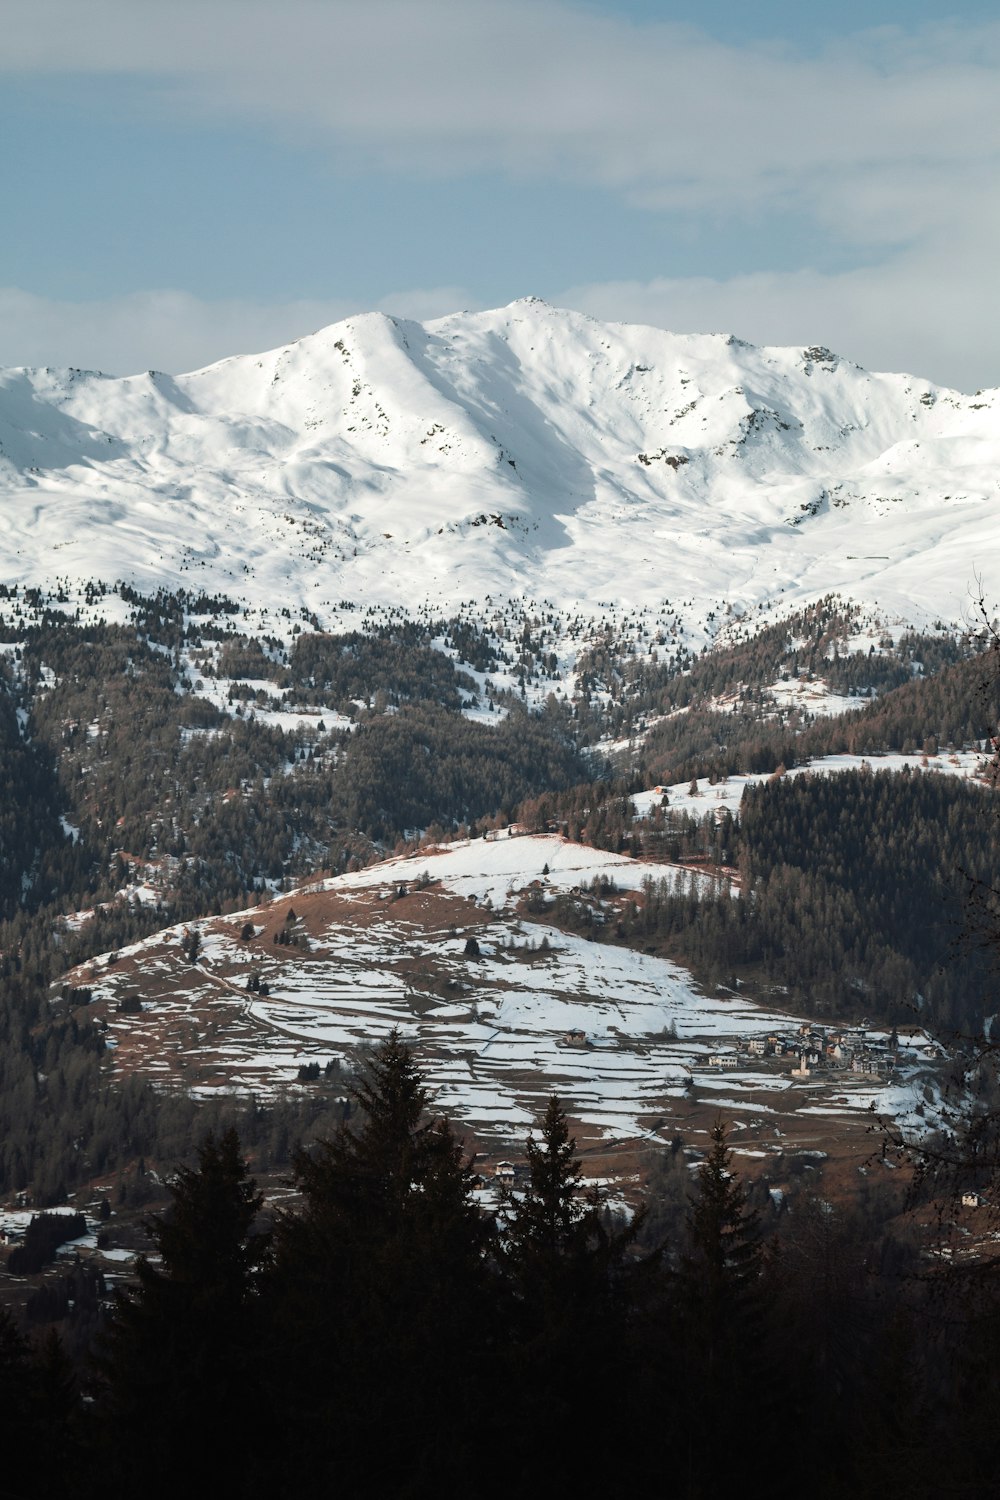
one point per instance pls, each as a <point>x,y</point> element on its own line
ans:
<point>721,1330</point>
<point>565,1260</point>
<point>380,1322</point>
<point>723,1259</point>
<point>182,1359</point>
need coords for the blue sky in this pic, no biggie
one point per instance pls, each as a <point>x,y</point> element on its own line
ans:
<point>186,181</point>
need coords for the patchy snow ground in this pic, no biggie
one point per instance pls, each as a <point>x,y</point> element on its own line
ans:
<point>728,793</point>
<point>497,867</point>
<point>491,1030</point>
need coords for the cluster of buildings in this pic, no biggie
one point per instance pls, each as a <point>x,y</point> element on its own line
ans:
<point>818,1048</point>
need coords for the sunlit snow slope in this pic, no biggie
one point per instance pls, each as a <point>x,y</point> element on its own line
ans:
<point>527,451</point>
<point>387,947</point>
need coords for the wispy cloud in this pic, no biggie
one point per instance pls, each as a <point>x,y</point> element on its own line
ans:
<point>889,143</point>
<point>868,136</point>
<point>910,313</point>
<point>905,316</point>
<point>175,331</point>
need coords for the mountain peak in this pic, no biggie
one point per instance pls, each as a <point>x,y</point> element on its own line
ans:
<point>524,451</point>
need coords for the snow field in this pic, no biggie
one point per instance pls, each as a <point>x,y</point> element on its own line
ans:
<point>525,452</point>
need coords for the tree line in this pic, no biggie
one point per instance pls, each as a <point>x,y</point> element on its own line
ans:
<point>853,897</point>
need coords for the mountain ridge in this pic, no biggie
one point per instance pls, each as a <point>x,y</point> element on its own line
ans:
<point>526,452</point>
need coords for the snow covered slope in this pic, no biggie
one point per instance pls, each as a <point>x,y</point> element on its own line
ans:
<point>526,452</point>
<point>388,947</point>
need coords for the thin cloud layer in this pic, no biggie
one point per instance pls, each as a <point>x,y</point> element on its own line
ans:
<point>175,331</point>
<point>535,87</point>
<point>888,143</point>
<point>929,315</point>
<point>905,316</point>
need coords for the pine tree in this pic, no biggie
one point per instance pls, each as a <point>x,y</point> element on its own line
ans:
<point>559,1243</point>
<point>381,1293</point>
<point>182,1354</point>
<point>59,1409</point>
<point>724,1251</point>
<point>720,1332</point>
<point>206,1240</point>
<point>399,1172</point>
<point>565,1261</point>
<point>19,1402</point>
<point>555,1241</point>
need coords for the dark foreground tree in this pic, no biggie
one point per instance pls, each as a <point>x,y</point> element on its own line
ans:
<point>182,1363</point>
<point>719,1329</point>
<point>570,1281</point>
<point>39,1416</point>
<point>381,1334</point>
<point>723,1258</point>
<point>957,1164</point>
<point>561,1247</point>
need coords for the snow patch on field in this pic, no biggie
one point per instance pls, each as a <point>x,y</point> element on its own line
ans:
<point>726,794</point>
<point>495,1030</point>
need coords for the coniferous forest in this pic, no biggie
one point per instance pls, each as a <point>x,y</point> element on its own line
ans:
<point>388,1331</point>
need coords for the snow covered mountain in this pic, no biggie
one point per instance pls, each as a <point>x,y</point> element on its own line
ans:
<point>527,452</point>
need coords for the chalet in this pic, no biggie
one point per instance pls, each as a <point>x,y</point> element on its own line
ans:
<point>723,1060</point>
<point>574,1038</point>
<point>759,1046</point>
<point>972,1199</point>
<point>505,1173</point>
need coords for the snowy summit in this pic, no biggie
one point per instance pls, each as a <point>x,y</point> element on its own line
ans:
<point>526,452</point>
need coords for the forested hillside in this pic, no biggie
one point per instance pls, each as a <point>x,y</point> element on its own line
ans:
<point>132,797</point>
<point>855,897</point>
<point>171,765</point>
